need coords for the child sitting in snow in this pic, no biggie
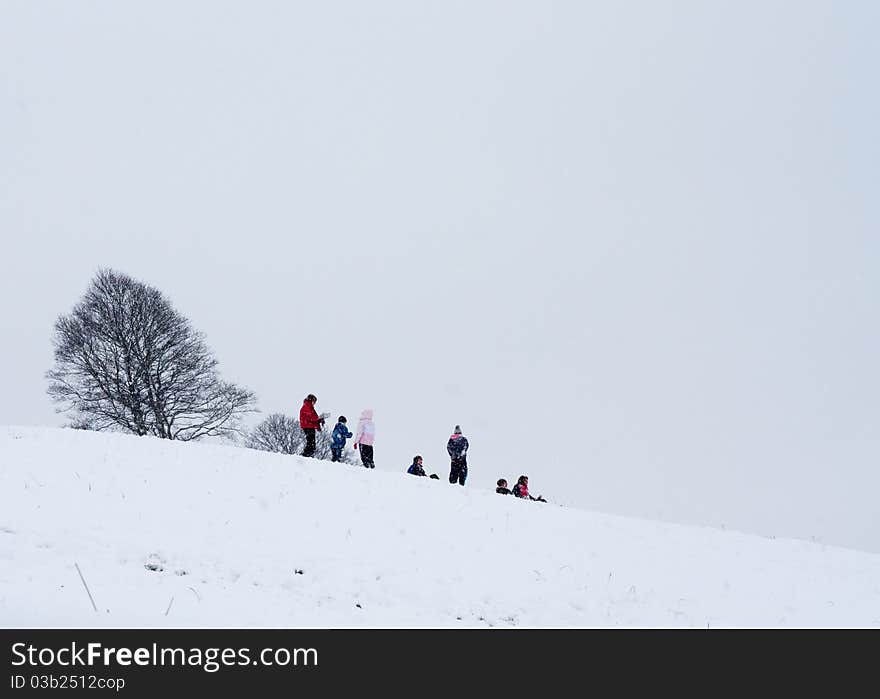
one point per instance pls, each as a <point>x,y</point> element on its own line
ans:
<point>502,488</point>
<point>416,469</point>
<point>521,490</point>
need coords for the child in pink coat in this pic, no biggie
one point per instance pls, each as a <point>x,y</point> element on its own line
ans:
<point>366,433</point>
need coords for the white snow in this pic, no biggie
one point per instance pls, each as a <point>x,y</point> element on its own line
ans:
<point>228,528</point>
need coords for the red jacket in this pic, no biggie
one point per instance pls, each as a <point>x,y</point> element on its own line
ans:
<point>308,418</point>
<point>521,490</point>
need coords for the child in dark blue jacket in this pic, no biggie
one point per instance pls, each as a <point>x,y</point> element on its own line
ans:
<point>337,439</point>
<point>416,469</point>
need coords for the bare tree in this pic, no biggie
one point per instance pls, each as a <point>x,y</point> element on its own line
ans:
<point>81,422</point>
<point>282,434</point>
<point>126,359</point>
<point>278,433</point>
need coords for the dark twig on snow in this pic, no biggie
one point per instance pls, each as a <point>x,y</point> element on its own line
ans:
<point>91,599</point>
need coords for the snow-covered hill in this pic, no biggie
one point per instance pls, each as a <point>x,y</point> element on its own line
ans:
<point>173,534</point>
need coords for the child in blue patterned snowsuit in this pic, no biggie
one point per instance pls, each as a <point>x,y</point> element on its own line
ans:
<point>337,439</point>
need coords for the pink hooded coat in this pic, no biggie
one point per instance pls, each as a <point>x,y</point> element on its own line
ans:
<point>366,430</point>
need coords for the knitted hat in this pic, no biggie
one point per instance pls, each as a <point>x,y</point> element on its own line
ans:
<point>342,419</point>
<point>457,430</point>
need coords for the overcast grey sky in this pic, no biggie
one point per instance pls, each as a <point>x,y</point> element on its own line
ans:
<point>631,247</point>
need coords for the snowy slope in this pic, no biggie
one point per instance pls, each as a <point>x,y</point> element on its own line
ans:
<point>219,533</point>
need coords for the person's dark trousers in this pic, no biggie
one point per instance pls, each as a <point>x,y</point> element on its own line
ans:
<point>335,454</point>
<point>458,471</point>
<point>310,441</point>
<point>367,455</point>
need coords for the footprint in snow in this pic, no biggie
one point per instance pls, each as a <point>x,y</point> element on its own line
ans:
<point>155,563</point>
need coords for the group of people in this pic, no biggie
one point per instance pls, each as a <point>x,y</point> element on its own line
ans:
<point>457,447</point>
<point>310,422</point>
<point>520,490</point>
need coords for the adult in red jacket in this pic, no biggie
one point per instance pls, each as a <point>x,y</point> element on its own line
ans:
<point>310,422</point>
